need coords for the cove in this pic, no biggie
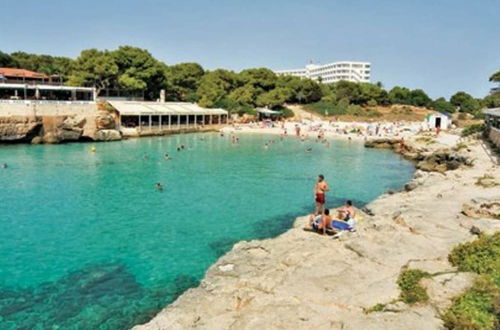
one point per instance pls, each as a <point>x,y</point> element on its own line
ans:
<point>88,242</point>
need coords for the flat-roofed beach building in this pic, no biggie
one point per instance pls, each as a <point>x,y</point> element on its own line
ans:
<point>20,84</point>
<point>149,118</point>
<point>492,123</point>
<point>332,72</point>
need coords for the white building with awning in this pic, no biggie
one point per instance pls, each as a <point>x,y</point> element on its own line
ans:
<point>140,117</point>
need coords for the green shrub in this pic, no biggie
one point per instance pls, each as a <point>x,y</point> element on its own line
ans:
<point>375,308</point>
<point>481,256</point>
<point>287,113</point>
<point>411,291</point>
<point>472,129</point>
<point>477,309</point>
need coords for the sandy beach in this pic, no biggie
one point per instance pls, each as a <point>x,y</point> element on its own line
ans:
<point>310,129</point>
<point>303,280</point>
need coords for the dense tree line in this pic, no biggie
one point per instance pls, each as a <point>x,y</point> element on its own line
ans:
<point>135,69</point>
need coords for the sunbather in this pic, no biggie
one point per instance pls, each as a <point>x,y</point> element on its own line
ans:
<point>321,222</point>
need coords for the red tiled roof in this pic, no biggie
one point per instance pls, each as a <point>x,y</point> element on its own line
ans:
<point>19,73</point>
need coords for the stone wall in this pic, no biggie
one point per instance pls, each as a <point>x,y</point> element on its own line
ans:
<point>46,108</point>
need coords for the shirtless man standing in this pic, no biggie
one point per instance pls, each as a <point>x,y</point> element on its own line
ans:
<point>320,190</point>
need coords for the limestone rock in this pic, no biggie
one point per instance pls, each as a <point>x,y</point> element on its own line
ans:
<point>412,185</point>
<point>105,120</point>
<point>19,129</point>
<point>482,208</point>
<point>442,161</point>
<point>107,135</point>
<point>443,288</point>
<point>36,140</point>
<point>50,138</point>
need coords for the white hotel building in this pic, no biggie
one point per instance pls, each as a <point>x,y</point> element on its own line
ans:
<point>332,72</point>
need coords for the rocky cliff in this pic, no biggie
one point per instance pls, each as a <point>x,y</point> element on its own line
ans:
<point>59,129</point>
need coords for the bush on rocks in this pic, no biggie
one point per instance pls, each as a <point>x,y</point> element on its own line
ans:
<point>479,307</point>
<point>411,290</point>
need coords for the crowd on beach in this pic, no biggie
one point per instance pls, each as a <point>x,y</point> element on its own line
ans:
<point>359,130</point>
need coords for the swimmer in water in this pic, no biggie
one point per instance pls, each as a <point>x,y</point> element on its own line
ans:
<point>309,149</point>
<point>266,145</point>
<point>4,165</point>
<point>145,156</point>
<point>159,186</point>
<point>167,157</point>
<point>178,148</point>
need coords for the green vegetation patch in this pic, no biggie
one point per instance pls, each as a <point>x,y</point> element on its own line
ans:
<point>479,307</point>
<point>481,256</point>
<point>411,290</point>
<point>343,107</point>
<point>472,129</point>
<point>375,308</point>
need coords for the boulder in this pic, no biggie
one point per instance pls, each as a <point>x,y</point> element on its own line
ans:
<point>482,208</point>
<point>412,185</point>
<point>36,140</point>
<point>18,129</point>
<point>442,161</point>
<point>50,138</point>
<point>107,135</point>
<point>105,120</point>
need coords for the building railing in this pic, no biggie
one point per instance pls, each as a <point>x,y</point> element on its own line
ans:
<point>45,102</point>
<point>31,82</point>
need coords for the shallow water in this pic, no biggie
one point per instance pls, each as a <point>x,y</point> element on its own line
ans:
<point>86,241</point>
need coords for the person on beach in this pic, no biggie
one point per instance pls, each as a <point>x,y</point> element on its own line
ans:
<point>321,222</point>
<point>347,211</point>
<point>320,189</point>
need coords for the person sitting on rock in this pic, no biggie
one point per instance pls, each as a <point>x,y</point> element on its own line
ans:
<point>321,223</point>
<point>346,212</point>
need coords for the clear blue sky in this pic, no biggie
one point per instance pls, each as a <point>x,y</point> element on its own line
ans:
<point>441,46</point>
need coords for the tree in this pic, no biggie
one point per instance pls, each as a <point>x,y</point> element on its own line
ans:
<point>465,102</point>
<point>94,68</point>
<point>419,98</point>
<point>442,105</point>
<point>274,98</point>
<point>183,81</point>
<point>215,86</point>
<point>7,61</point>
<point>495,77</point>
<point>50,65</point>
<point>138,70</point>
<point>400,95</point>
<point>245,95</point>
<point>309,91</point>
<point>262,78</point>
<point>349,90</point>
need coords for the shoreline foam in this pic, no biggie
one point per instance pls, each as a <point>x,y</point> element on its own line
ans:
<point>301,280</point>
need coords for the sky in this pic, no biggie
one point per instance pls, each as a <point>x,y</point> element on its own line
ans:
<point>441,46</point>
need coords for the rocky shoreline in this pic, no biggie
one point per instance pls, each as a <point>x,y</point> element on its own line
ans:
<point>302,280</point>
<point>100,126</point>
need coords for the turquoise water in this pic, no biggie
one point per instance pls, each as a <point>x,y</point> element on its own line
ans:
<point>87,242</point>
